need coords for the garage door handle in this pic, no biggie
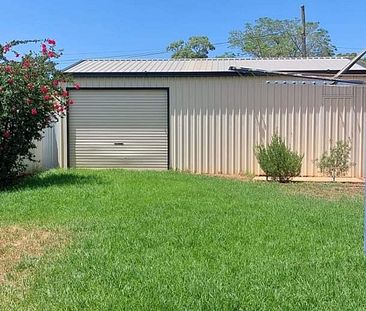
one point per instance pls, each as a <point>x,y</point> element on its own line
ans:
<point>119,144</point>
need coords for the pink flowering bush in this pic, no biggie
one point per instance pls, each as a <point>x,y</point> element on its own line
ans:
<point>32,98</point>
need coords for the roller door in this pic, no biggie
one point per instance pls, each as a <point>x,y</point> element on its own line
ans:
<point>118,129</point>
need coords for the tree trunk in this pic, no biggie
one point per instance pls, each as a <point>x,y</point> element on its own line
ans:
<point>333,177</point>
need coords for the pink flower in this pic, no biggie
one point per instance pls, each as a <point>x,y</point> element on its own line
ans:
<point>55,83</point>
<point>8,69</point>
<point>51,41</point>
<point>70,102</point>
<point>44,49</point>
<point>51,54</point>
<point>26,63</point>
<point>11,81</point>
<point>6,48</point>
<point>44,89</point>
<point>7,134</point>
<point>77,86</point>
<point>30,86</point>
<point>34,111</point>
<point>65,93</point>
<point>47,97</point>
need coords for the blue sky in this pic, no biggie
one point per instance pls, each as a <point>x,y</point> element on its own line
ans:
<point>143,29</point>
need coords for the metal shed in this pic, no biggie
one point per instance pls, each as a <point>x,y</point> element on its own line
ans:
<point>198,116</point>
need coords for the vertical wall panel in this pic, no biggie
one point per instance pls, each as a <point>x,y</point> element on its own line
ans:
<point>48,150</point>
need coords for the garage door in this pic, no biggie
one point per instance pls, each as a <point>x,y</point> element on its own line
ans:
<point>119,129</point>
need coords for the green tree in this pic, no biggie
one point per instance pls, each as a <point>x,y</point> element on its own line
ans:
<point>337,161</point>
<point>32,98</point>
<point>227,55</point>
<point>195,47</point>
<point>281,38</point>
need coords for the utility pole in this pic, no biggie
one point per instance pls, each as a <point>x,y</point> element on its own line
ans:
<point>303,32</point>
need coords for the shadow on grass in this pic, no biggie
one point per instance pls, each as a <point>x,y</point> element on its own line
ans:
<point>49,180</point>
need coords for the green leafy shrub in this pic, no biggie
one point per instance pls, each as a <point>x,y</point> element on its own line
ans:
<point>337,162</point>
<point>278,161</point>
<point>32,98</point>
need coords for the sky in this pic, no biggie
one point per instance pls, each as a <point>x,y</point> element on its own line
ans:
<point>142,29</point>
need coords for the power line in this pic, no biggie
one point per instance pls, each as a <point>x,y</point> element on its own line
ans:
<point>130,55</point>
<point>349,48</point>
<point>118,56</point>
<point>145,53</point>
<point>127,51</point>
<point>103,52</point>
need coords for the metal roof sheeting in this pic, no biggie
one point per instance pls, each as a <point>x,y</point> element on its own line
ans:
<point>208,65</point>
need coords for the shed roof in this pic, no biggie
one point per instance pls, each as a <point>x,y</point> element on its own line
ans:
<point>209,65</point>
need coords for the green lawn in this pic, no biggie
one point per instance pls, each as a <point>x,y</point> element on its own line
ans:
<point>174,241</point>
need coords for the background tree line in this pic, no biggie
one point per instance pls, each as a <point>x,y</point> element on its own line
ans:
<point>266,37</point>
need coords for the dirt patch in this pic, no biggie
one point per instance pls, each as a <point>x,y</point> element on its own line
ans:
<point>330,191</point>
<point>21,248</point>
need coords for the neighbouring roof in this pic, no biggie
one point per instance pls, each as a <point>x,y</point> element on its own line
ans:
<point>208,65</point>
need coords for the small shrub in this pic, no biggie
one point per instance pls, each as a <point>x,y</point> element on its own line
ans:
<point>337,162</point>
<point>278,161</point>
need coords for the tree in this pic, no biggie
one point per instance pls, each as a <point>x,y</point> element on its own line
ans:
<point>337,162</point>
<point>195,47</point>
<point>227,55</point>
<point>281,38</point>
<point>32,98</point>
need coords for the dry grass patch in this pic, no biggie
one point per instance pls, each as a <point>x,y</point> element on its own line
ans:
<point>329,191</point>
<point>22,247</point>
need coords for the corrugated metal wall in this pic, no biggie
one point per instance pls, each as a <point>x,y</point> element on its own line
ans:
<point>47,153</point>
<point>215,122</point>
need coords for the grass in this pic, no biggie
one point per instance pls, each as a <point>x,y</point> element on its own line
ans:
<point>173,241</point>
